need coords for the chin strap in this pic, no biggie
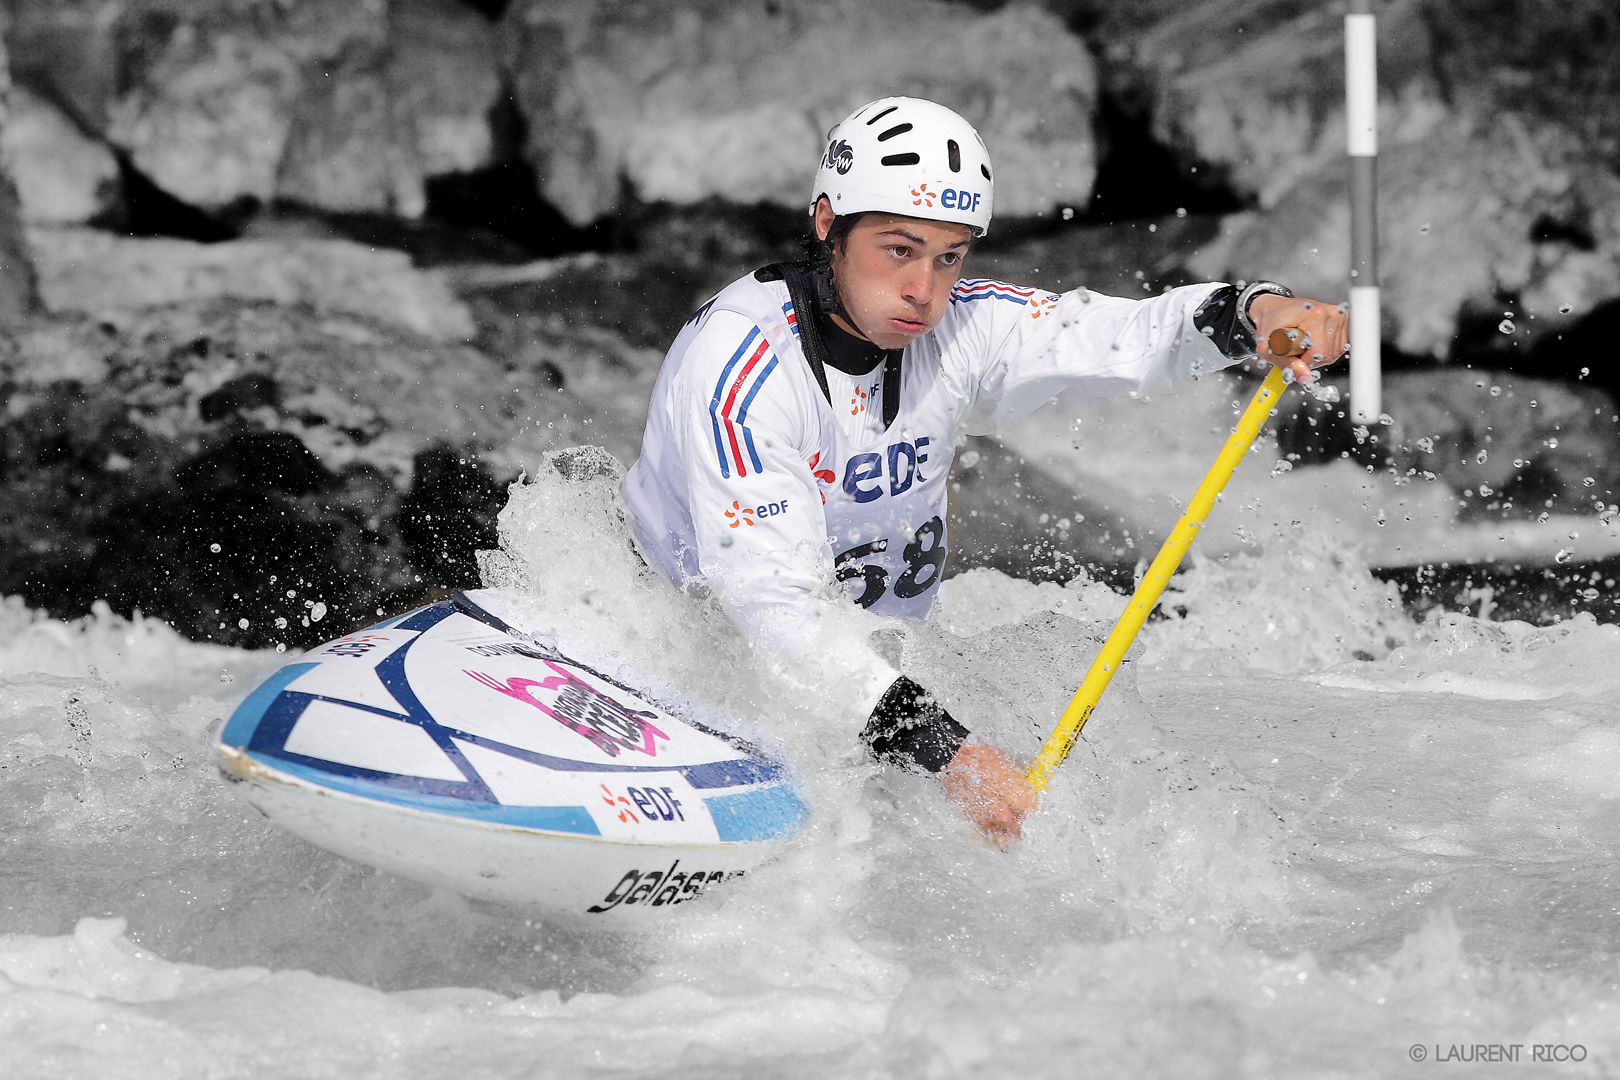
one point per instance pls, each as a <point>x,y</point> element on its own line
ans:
<point>810,285</point>
<point>821,272</point>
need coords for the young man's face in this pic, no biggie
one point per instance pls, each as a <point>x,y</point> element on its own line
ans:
<point>895,274</point>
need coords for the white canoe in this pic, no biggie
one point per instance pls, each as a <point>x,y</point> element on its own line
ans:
<point>447,747</point>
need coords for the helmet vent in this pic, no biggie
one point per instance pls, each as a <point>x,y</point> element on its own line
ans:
<point>953,154</point>
<point>986,170</point>
<point>898,129</point>
<point>902,159</point>
<point>881,115</point>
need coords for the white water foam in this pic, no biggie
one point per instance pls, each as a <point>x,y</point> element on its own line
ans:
<point>1302,835</point>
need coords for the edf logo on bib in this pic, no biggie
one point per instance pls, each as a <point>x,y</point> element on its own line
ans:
<point>864,473</point>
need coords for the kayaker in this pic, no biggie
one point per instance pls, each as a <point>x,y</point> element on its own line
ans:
<point>804,421</point>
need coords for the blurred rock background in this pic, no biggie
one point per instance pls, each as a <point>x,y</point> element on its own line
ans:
<point>290,289</point>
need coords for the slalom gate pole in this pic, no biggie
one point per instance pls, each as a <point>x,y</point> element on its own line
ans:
<point>1361,138</point>
<point>1062,740</point>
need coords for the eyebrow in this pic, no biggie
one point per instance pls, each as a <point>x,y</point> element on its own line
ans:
<point>917,240</point>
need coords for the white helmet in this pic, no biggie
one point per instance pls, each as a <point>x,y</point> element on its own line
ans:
<point>902,155</point>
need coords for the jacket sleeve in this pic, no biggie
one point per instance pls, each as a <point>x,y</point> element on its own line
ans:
<point>1104,346</point>
<point>761,533</point>
<point>756,512</point>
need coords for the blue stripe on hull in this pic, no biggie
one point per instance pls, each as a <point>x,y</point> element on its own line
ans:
<point>570,819</point>
<point>762,814</point>
<point>245,720</point>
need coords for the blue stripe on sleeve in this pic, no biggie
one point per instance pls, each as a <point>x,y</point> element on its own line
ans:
<point>742,413</point>
<point>714,403</point>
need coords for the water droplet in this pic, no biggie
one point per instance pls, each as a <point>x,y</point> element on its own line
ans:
<point>1181,211</point>
<point>726,540</point>
<point>1385,420</point>
<point>1423,230</point>
<point>1564,555</point>
<point>1480,457</point>
<point>318,612</point>
<point>1587,481</point>
<point>1542,520</point>
<point>243,623</point>
<point>214,548</point>
<point>281,624</point>
<point>1496,391</point>
<point>1585,371</point>
<point>1068,213</point>
<point>969,459</point>
<point>1589,594</point>
<point>1565,309</point>
<point>1281,467</point>
<point>1506,326</point>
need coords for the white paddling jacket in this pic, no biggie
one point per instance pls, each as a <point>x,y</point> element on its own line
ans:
<point>752,484</point>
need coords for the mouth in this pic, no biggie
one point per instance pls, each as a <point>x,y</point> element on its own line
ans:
<point>907,326</point>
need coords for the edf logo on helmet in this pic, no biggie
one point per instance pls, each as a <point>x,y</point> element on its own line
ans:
<point>950,198</point>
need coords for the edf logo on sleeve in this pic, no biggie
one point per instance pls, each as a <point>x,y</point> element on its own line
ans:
<point>957,199</point>
<point>747,515</point>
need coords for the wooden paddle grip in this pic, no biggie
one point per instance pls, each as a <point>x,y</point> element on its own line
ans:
<point>1287,341</point>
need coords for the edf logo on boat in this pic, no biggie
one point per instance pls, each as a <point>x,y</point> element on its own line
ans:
<point>356,646</point>
<point>653,803</point>
<point>901,462</point>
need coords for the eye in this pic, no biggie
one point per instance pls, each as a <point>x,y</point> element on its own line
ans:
<point>899,251</point>
<point>951,258</point>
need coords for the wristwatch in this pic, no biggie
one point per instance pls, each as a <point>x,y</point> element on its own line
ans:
<point>1246,297</point>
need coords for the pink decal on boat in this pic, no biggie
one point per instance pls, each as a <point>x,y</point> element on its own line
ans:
<point>580,707</point>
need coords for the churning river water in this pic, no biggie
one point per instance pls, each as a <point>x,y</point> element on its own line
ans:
<point>1304,836</point>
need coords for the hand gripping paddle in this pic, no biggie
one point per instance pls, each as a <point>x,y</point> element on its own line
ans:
<point>1286,342</point>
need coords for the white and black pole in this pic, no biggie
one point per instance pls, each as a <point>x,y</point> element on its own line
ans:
<point>1361,122</point>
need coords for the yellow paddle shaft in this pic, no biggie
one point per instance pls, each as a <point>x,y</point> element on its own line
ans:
<point>1062,739</point>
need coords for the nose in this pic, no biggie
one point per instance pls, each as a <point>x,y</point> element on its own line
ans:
<point>919,285</point>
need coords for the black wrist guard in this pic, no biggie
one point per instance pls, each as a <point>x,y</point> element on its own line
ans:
<point>1217,319</point>
<point>912,730</point>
